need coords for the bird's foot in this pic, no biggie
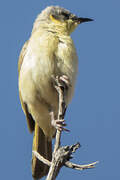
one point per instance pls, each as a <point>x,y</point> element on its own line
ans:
<point>65,81</point>
<point>58,124</point>
<point>62,81</point>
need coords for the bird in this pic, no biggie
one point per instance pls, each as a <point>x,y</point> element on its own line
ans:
<point>48,53</point>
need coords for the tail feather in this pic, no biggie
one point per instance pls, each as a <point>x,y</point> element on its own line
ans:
<point>44,148</point>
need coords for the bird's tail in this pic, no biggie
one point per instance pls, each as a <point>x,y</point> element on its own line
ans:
<point>44,148</point>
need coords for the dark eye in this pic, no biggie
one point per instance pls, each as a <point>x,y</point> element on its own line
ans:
<point>65,15</point>
<point>61,15</point>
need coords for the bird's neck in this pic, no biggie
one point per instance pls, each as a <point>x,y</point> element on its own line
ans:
<point>55,28</point>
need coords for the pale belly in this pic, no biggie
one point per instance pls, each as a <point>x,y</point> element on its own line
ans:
<point>37,87</point>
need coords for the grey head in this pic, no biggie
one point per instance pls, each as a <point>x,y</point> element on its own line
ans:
<point>56,11</point>
<point>51,13</point>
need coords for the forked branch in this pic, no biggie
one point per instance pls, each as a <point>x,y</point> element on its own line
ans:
<point>61,155</point>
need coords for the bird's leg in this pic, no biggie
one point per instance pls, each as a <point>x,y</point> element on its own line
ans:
<point>61,81</point>
<point>65,81</point>
<point>61,84</point>
<point>59,124</point>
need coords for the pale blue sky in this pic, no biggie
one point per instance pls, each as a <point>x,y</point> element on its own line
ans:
<point>94,114</point>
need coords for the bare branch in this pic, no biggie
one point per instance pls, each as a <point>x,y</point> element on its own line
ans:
<point>62,155</point>
<point>55,165</point>
<point>80,167</point>
<point>60,113</point>
<point>41,158</point>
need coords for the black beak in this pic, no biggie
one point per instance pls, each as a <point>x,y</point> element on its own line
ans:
<point>81,20</point>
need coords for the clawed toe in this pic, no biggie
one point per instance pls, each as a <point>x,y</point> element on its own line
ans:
<point>62,80</point>
<point>65,80</point>
<point>61,122</point>
<point>58,124</point>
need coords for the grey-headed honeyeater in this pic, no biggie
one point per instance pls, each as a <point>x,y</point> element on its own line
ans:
<point>48,53</point>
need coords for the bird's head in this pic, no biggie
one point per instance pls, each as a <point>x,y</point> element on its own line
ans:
<point>59,19</point>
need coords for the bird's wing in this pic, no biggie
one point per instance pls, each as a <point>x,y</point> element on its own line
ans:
<point>30,121</point>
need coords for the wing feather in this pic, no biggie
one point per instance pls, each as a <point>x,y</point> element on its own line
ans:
<point>30,120</point>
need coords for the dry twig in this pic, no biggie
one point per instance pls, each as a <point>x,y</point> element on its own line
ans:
<point>61,155</point>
